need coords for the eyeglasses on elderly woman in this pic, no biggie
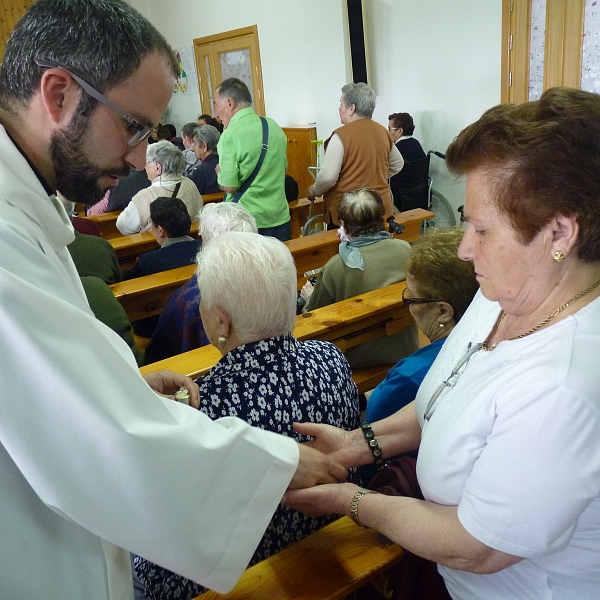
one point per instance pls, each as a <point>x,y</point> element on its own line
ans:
<point>411,300</point>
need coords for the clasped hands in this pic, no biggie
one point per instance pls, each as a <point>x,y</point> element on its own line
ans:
<point>315,488</point>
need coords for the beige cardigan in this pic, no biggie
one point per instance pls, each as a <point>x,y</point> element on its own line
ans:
<point>163,186</point>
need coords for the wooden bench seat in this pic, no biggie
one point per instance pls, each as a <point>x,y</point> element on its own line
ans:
<point>327,565</point>
<point>140,298</point>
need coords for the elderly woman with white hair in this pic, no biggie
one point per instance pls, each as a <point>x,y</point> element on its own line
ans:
<point>360,154</point>
<point>164,167</point>
<point>266,376</point>
<point>179,326</point>
<point>204,174</point>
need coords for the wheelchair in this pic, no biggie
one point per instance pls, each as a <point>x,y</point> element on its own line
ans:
<point>413,188</point>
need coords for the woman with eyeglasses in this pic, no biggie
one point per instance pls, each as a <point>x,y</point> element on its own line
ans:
<point>164,168</point>
<point>439,288</point>
<point>507,421</point>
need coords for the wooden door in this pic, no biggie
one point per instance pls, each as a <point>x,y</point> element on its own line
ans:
<point>230,54</point>
<point>541,46</point>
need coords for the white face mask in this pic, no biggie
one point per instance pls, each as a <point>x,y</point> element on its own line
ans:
<point>341,233</point>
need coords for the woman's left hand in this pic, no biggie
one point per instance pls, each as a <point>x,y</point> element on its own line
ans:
<point>167,382</point>
<point>330,498</point>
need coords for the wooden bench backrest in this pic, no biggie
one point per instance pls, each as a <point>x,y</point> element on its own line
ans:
<point>327,565</point>
<point>145,296</point>
<point>107,222</point>
<point>345,324</point>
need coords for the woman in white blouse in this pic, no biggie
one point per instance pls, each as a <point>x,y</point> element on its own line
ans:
<point>164,167</point>
<point>507,421</point>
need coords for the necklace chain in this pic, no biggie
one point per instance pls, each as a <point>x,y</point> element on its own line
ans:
<point>547,320</point>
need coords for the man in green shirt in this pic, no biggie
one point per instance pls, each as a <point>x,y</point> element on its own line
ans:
<point>239,150</point>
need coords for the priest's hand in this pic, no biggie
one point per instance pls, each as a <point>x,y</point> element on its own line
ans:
<point>167,382</point>
<point>314,468</point>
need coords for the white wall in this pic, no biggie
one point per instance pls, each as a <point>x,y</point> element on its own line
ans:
<point>438,60</point>
<point>301,46</point>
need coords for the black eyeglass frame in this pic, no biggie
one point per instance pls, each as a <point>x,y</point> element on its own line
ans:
<point>142,130</point>
<point>417,300</point>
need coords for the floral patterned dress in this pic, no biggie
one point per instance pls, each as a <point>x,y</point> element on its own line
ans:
<point>270,384</point>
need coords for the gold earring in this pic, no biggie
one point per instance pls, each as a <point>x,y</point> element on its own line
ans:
<point>559,256</point>
<point>222,339</point>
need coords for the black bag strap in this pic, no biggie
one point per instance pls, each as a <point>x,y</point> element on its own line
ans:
<point>174,194</point>
<point>265,138</point>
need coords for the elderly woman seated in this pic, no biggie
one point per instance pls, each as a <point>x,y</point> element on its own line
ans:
<point>266,376</point>
<point>439,289</point>
<point>204,175</point>
<point>179,326</point>
<point>368,259</point>
<point>164,167</point>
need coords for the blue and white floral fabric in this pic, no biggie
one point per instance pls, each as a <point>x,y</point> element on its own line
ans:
<point>270,384</point>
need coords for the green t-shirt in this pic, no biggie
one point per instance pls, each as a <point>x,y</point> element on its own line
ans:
<point>239,150</point>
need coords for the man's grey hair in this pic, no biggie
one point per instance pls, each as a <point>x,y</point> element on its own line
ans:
<point>102,41</point>
<point>218,217</point>
<point>168,156</point>
<point>188,129</point>
<point>237,90</point>
<point>207,134</point>
<point>252,278</point>
<point>362,96</point>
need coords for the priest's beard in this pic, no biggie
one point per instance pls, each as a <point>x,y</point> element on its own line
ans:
<point>77,178</point>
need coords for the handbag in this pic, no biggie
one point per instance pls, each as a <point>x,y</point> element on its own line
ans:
<point>413,578</point>
<point>265,138</point>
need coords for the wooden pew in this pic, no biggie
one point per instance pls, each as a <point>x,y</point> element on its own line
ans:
<point>345,324</point>
<point>327,565</point>
<point>145,296</point>
<point>129,247</point>
<point>107,222</point>
<point>217,197</point>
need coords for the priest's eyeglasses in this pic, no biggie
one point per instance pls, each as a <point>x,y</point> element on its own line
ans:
<point>141,131</point>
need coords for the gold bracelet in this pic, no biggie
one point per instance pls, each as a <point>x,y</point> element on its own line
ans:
<point>354,505</point>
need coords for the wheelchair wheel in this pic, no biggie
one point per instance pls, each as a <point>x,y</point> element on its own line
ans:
<point>444,215</point>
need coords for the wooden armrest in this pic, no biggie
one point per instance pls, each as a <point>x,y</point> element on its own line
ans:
<point>327,565</point>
